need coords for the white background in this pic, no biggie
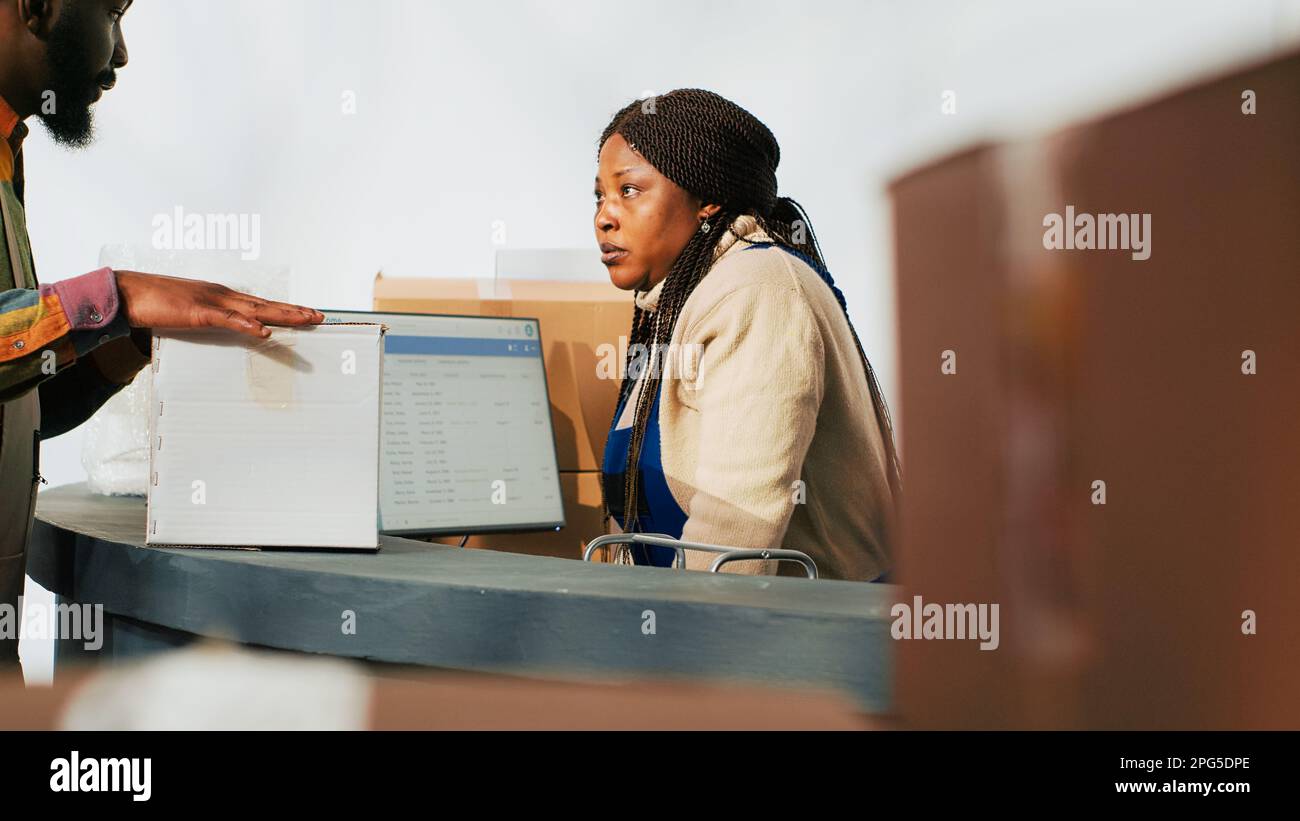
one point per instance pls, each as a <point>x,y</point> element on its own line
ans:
<point>473,113</point>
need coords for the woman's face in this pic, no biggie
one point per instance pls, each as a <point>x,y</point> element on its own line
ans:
<point>643,219</point>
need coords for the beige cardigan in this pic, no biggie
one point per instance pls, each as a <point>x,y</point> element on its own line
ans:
<point>769,438</point>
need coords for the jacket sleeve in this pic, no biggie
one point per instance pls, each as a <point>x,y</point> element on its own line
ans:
<point>71,341</point>
<point>760,384</point>
<point>73,395</point>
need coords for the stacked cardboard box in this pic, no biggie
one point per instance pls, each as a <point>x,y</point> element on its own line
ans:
<point>584,328</point>
<point>1035,368</point>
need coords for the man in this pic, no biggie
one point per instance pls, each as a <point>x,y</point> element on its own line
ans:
<point>66,348</point>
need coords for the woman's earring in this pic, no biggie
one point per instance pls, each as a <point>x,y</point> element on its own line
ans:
<point>705,227</point>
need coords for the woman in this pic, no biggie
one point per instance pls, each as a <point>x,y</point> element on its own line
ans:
<point>749,415</point>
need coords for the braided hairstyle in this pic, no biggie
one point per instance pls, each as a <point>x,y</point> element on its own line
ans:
<point>723,155</point>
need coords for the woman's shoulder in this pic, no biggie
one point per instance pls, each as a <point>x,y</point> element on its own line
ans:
<point>753,292</point>
<point>753,264</point>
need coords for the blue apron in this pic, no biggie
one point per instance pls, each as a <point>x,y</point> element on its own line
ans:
<point>657,510</point>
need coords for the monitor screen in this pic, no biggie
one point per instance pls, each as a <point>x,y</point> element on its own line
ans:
<point>467,444</point>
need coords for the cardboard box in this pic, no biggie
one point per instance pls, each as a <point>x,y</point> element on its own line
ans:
<point>415,699</point>
<point>1173,379</point>
<point>584,337</point>
<point>266,443</point>
<point>583,514</point>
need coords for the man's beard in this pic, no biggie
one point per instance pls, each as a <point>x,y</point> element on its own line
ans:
<point>67,115</point>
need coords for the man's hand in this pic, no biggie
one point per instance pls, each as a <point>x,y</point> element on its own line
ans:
<point>160,302</point>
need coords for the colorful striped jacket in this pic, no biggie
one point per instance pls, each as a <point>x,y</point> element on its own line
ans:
<point>69,340</point>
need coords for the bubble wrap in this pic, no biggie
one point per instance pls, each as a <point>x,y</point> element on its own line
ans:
<point>115,449</point>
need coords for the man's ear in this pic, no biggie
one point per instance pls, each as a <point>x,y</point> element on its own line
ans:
<point>37,16</point>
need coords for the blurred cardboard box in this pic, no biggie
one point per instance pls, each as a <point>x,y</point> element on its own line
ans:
<point>465,701</point>
<point>1102,440</point>
<point>584,329</point>
<point>266,443</point>
<point>201,688</point>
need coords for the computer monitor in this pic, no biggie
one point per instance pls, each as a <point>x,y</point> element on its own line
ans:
<point>467,444</point>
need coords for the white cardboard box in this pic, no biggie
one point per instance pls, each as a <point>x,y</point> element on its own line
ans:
<point>266,443</point>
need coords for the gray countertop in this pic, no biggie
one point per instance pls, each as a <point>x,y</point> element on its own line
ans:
<point>428,604</point>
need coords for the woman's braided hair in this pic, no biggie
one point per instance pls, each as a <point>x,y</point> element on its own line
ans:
<point>725,156</point>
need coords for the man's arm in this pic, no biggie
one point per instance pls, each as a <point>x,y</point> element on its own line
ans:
<point>76,337</point>
<point>45,332</point>
<point>73,395</point>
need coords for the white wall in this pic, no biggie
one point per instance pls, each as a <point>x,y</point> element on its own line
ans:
<point>470,113</point>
